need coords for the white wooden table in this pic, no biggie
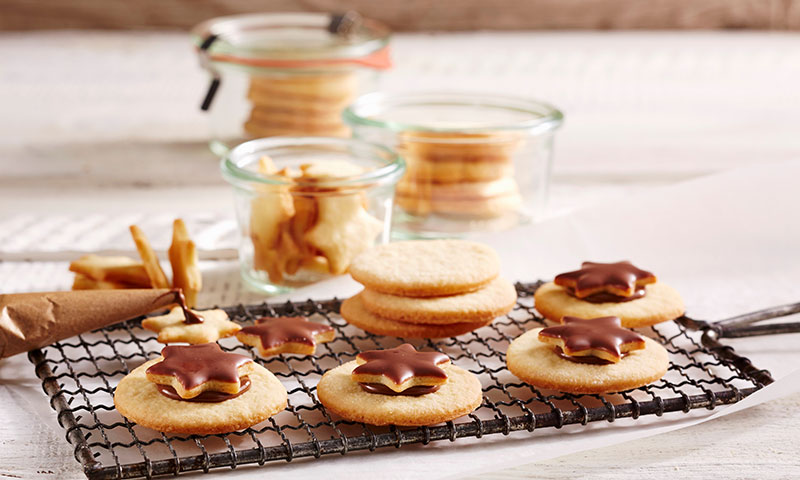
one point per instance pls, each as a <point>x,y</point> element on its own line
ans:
<point>101,122</point>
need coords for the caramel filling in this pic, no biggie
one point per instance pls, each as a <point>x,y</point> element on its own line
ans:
<point>605,297</point>
<point>209,396</point>
<point>414,391</point>
<point>587,359</point>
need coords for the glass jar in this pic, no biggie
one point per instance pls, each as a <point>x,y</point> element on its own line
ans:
<point>286,74</point>
<point>306,206</point>
<point>473,162</point>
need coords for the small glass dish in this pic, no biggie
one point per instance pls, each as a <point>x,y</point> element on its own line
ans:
<point>474,162</point>
<point>307,205</point>
<point>287,74</point>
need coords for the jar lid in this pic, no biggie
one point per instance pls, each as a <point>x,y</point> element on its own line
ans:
<point>457,113</point>
<point>294,40</point>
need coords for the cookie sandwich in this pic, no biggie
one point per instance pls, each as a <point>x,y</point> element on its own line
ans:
<point>309,104</point>
<point>199,389</point>
<point>428,289</point>
<point>400,386</point>
<point>458,174</point>
<point>617,289</point>
<point>586,356</point>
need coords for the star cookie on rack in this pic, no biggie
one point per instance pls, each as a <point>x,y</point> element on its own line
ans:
<point>273,336</point>
<point>621,279</point>
<point>193,369</point>
<point>199,389</point>
<point>400,368</point>
<point>174,327</point>
<point>602,338</point>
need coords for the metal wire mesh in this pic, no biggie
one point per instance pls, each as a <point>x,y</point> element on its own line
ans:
<point>79,376</point>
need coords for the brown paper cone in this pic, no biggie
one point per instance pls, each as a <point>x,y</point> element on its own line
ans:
<point>33,320</point>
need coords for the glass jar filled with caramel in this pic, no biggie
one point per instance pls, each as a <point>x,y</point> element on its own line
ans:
<point>473,162</point>
<point>286,74</point>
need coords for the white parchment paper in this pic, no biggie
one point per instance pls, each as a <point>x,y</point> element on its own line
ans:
<point>729,243</point>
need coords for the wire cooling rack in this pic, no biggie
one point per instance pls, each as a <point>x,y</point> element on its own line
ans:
<point>79,376</point>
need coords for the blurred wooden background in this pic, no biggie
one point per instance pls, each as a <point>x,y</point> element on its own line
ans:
<point>415,15</point>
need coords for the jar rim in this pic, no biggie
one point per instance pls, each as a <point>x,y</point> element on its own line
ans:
<point>236,175</point>
<point>543,116</point>
<point>231,42</point>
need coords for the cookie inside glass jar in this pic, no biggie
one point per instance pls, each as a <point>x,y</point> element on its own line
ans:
<point>307,206</point>
<point>459,175</point>
<point>474,161</point>
<point>288,74</point>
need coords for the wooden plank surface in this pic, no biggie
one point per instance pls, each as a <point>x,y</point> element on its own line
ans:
<point>416,15</point>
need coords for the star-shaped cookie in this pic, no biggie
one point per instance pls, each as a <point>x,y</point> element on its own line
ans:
<point>172,328</point>
<point>194,369</point>
<point>273,336</point>
<point>343,230</point>
<point>401,368</point>
<point>602,338</point>
<point>622,279</point>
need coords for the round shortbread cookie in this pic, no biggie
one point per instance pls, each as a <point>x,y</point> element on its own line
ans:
<point>478,207</point>
<point>138,400</point>
<point>426,268</point>
<point>460,395</point>
<point>661,303</point>
<point>536,363</point>
<point>422,171</point>
<point>280,116</point>
<point>354,312</point>
<point>338,87</point>
<point>496,298</point>
<point>265,130</point>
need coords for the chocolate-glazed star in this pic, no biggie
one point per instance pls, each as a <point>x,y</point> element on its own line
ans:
<point>273,336</point>
<point>606,282</point>
<point>194,369</point>
<point>602,338</point>
<point>401,368</point>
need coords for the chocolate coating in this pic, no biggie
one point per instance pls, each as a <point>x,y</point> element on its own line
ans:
<point>277,331</point>
<point>620,279</point>
<point>401,363</point>
<point>414,391</point>
<point>190,317</point>
<point>209,396</point>
<point>195,365</point>
<point>603,333</point>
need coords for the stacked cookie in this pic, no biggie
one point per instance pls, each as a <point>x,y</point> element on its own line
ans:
<point>427,289</point>
<point>310,104</point>
<point>458,174</point>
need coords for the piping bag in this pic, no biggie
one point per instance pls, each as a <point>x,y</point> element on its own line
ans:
<point>33,320</point>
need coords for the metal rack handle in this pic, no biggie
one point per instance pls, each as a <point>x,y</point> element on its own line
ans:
<point>743,325</point>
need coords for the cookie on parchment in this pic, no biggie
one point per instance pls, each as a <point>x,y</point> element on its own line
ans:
<point>173,328</point>
<point>426,268</point>
<point>355,313</point>
<point>497,298</point>
<point>141,401</point>
<point>458,396</point>
<point>539,364</point>
<point>661,303</point>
